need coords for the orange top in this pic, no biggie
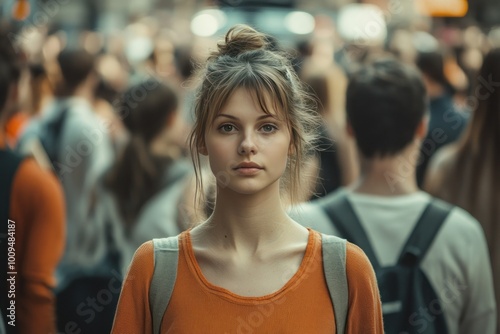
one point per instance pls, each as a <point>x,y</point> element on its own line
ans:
<point>37,208</point>
<point>302,305</point>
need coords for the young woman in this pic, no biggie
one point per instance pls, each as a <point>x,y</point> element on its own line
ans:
<point>249,268</point>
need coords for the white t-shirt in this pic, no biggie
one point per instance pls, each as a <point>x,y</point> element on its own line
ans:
<point>456,264</point>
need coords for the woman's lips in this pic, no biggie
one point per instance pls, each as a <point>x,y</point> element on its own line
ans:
<point>248,170</point>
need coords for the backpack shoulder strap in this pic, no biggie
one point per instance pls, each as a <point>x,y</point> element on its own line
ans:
<point>334,266</point>
<point>425,231</point>
<point>10,163</point>
<point>341,213</point>
<point>166,257</point>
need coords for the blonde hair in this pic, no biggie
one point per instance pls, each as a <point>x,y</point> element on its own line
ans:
<point>249,59</point>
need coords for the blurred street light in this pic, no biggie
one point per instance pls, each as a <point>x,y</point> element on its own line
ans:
<point>300,23</point>
<point>207,22</point>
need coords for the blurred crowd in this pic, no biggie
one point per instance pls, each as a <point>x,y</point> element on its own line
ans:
<point>118,107</point>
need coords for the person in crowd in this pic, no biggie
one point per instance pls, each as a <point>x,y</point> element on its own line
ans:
<point>77,146</point>
<point>105,95</point>
<point>142,194</point>
<point>249,266</point>
<point>466,173</point>
<point>446,122</point>
<point>32,217</point>
<point>39,93</point>
<point>337,158</point>
<point>386,106</point>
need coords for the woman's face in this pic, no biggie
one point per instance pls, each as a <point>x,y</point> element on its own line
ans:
<point>247,148</point>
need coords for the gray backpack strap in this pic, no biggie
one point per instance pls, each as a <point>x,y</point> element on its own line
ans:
<point>166,257</point>
<point>334,264</point>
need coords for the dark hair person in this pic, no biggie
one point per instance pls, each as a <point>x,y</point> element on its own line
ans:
<point>446,121</point>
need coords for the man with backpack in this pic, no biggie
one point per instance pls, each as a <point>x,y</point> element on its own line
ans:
<point>430,258</point>
<point>31,221</point>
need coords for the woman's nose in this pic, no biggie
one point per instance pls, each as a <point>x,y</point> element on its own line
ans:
<point>247,145</point>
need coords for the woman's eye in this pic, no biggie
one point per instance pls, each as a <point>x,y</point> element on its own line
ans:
<point>226,127</point>
<point>269,128</point>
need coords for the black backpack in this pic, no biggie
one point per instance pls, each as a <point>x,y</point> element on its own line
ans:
<point>9,163</point>
<point>409,302</point>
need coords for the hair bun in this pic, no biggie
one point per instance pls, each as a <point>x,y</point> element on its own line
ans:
<point>239,39</point>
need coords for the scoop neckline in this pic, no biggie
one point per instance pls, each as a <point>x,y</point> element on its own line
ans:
<point>233,297</point>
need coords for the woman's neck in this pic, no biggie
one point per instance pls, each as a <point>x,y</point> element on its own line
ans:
<point>249,222</point>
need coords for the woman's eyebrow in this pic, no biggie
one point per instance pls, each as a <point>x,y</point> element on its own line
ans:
<point>236,118</point>
<point>226,115</point>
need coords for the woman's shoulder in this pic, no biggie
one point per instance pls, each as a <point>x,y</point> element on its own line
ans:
<point>359,270</point>
<point>360,275</point>
<point>145,250</point>
<point>364,296</point>
<point>357,262</point>
<point>355,255</point>
<point>143,261</point>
